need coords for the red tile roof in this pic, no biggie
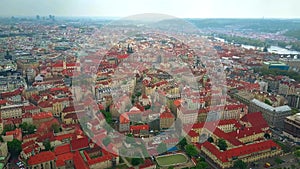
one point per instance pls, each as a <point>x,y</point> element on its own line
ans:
<point>29,143</point>
<point>139,127</point>
<point>241,133</point>
<point>16,133</point>
<point>26,115</point>
<point>42,115</point>
<point>31,136</point>
<point>45,104</point>
<point>192,133</point>
<point>63,137</point>
<point>79,162</point>
<point>41,158</point>
<point>124,119</point>
<point>13,93</point>
<point>123,56</point>
<point>212,127</point>
<point>80,143</point>
<point>240,151</point>
<point>62,149</point>
<point>60,161</point>
<point>144,96</point>
<point>166,115</point>
<point>101,159</point>
<point>177,102</point>
<point>30,149</point>
<point>256,119</point>
<point>71,116</point>
<point>3,102</point>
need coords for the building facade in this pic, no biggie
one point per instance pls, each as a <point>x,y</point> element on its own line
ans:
<point>292,127</point>
<point>275,116</point>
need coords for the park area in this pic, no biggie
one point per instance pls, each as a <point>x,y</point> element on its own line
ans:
<point>171,160</point>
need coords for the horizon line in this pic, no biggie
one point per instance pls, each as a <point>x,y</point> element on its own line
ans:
<point>117,17</point>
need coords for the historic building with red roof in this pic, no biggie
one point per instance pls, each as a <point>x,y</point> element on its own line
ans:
<point>44,159</point>
<point>124,122</point>
<point>166,119</point>
<point>225,159</point>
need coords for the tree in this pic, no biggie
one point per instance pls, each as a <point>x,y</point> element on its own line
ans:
<point>268,102</point>
<point>31,129</point>
<point>47,144</point>
<point>267,136</point>
<point>210,139</point>
<point>182,143</point>
<point>297,153</point>
<point>27,128</point>
<point>201,165</point>
<point>136,161</point>
<point>55,127</point>
<point>161,148</point>
<point>106,141</point>
<point>191,150</point>
<point>278,160</point>
<point>14,147</point>
<point>108,116</point>
<point>147,107</point>
<point>239,164</point>
<point>222,144</point>
<point>7,128</point>
<point>138,94</point>
<point>265,49</point>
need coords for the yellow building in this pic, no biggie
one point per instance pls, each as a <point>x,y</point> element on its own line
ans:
<point>167,119</point>
<point>11,111</point>
<point>247,153</point>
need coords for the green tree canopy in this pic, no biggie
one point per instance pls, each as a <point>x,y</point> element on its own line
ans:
<point>136,161</point>
<point>14,147</point>
<point>201,165</point>
<point>267,136</point>
<point>182,143</point>
<point>191,150</point>
<point>297,153</point>
<point>210,139</point>
<point>267,101</point>
<point>55,127</point>
<point>239,164</point>
<point>222,144</point>
<point>108,116</point>
<point>27,128</point>
<point>47,145</point>
<point>9,127</point>
<point>278,160</point>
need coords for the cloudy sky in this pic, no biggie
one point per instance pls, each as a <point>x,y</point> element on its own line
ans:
<point>176,8</point>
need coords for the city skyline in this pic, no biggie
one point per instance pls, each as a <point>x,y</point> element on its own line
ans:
<point>176,8</point>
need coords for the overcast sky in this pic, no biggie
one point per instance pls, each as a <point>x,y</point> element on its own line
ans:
<point>176,8</point>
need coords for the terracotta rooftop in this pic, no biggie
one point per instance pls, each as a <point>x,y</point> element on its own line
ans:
<point>41,158</point>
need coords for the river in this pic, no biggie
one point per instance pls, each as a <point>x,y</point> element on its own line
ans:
<point>271,49</point>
